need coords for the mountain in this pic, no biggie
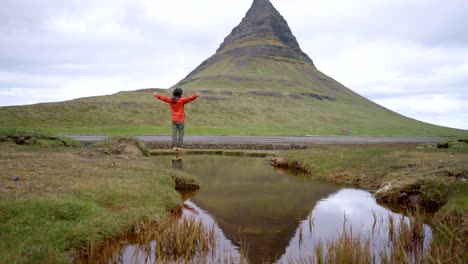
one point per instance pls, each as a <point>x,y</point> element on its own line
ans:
<point>259,81</point>
<point>263,33</point>
<point>260,54</point>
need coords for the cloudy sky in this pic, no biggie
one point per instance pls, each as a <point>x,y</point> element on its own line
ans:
<point>410,56</point>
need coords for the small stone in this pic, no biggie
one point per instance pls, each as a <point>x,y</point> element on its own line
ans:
<point>387,187</point>
<point>15,178</point>
<point>443,145</point>
<point>414,199</point>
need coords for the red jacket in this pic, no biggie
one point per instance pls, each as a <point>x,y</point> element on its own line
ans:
<point>177,107</point>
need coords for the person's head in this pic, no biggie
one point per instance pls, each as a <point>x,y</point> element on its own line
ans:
<point>177,92</point>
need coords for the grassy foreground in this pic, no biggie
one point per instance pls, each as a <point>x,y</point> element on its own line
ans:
<point>54,200</point>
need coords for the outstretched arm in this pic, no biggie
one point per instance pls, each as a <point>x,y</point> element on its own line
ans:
<point>162,98</point>
<point>190,98</point>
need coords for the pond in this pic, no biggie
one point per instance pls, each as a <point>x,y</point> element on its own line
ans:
<point>266,215</point>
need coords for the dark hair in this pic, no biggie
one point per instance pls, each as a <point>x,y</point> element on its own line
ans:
<point>176,94</point>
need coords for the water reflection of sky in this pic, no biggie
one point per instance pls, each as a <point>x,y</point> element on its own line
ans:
<point>224,249</point>
<point>354,207</point>
<point>252,204</point>
<point>276,216</point>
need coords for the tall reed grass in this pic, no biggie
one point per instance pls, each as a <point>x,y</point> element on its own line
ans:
<point>172,240</point>
<point>406,244</point>
<point>188,240</point>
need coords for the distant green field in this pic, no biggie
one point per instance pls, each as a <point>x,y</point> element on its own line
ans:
<point>256,131</point>
<point>218,113</point>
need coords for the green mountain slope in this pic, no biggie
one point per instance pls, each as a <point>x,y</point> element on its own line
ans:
<point>218,112</point>
<point>259,81</point>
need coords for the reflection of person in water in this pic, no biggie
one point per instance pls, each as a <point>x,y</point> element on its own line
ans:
<point>190,209</point>
<point>177,163</point>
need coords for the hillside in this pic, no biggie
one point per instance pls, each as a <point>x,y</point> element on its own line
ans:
<point>259,81</point>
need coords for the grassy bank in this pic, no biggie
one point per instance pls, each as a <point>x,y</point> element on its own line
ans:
<point>35,137</point>
<point>55,200</point>
<point>408,167</point>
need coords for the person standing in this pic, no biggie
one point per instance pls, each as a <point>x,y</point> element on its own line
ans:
<point>177,102</point>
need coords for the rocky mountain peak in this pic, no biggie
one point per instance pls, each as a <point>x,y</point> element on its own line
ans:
<point>262,33</point>
<point>261,4</point>
<point>264,21</point>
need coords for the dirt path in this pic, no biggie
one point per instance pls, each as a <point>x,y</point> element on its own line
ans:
<point>271,139</point>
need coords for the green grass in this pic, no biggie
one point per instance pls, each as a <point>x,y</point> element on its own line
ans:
<point>239,114</point>
<point>71,199</point>
<point>35,137</point>
<point>456,207</point>
<point>112,131</point>
<point>370,165</point>
<point>158,130</point>
<point>183,180</point>
<point>216,113</point>
<point>459,201</point>
<point>43,229</point>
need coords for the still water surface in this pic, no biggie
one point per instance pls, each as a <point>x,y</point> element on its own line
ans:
<point>277,216</point>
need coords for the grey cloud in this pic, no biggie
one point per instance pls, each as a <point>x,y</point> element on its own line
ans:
<point>143,40</point>
<point>428,23</point>
<point>441,109</point>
